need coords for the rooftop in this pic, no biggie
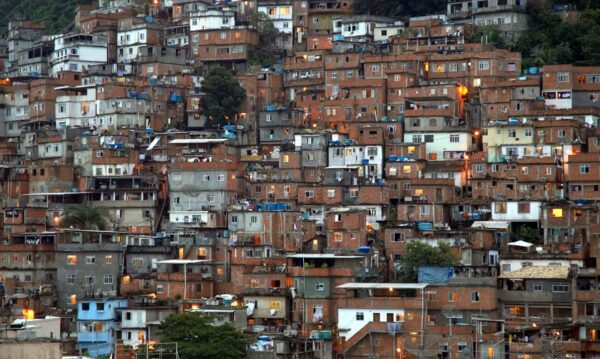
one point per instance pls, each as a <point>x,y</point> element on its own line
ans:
<point>538,272</point>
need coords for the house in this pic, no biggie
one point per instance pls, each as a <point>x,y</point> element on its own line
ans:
<point>97,323</point>
<point>139,325</point>
<point>90,263</point>
<point>77,52</point>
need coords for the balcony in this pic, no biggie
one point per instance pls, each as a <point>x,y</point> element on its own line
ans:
<point>179,277</point>
<point>278,292</point>
<point>93,337</point>
<point>364,272</point>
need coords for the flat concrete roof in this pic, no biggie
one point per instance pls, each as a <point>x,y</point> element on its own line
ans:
<point>191,141</point>
<point>383,285</point>
<point>321,256</point>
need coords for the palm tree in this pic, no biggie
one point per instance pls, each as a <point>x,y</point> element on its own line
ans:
<point>84,217</point>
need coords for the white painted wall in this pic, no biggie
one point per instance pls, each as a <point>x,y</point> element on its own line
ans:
<point>349,325</point>
<point>512,213</point>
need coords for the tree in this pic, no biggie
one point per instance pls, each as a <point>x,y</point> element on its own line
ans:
<point>399,8</point>
<point>530,234</point>
<point>223,96</point>
<point>267,38</point>
<point>198,337</point>
<point>84,217</point>
<point>420,253</point>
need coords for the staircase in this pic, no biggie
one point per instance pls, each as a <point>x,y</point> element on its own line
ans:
<point>121,352</point>
<point>371,327</point>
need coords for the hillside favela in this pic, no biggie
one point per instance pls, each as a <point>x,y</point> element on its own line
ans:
<point>300,179</point>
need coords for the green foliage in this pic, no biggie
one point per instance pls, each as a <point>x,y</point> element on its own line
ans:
<point>399,8</point>
<point>420,253</point>
<point>263,54</point>
<point>197,337</point>
<point>553,41</point>
<point>489,33</point>
<point>530,234</point>
<point>261,57</point>
<point>55,14</point>
<point>84,217</point>
<point>223,96</point>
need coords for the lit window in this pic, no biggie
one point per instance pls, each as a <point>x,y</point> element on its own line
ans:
<point>557,212</point>
<point>72,260</point>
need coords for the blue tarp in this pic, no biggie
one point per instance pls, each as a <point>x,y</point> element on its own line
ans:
<point>428,274</point>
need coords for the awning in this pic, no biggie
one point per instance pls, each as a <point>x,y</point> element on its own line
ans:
<point>383,286</point>
<point>153,143</point>
<point>184,261</point>
<point>521,244</point>
<point>490,225</point>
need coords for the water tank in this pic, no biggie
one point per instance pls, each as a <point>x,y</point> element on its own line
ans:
<point>364,249</point>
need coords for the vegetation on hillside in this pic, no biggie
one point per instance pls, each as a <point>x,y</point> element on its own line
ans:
<point>422,254</point>
<point>55,14</point>
<point>197,337</point>
<point>223,96</point>
<point>399,8</point>
<point>553,41</point>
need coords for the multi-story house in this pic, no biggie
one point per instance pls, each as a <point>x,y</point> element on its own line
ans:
<point>97,323</point>
<point>89,264</point>
<point>77,52</point>
<point>509,15</point>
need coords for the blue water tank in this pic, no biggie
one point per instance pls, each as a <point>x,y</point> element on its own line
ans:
<point>365,161</point>
<point>364,249</point>
<point>533,70</point>
<point>425,226</point>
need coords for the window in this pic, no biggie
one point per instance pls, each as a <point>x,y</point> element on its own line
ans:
<point>85,306</point>
<point>221,177</point>
<point>560,287</point>
<point>562,77</point>
<point>253,219</point>
<point>72,260</point>
<point>524,207</point>
<point>398,237</point>
<point>475,296</point>
<point>484,65</point>
<point>234,219</point>
<point>70,279</point>
<point>338,236</point>
<point>90,280</point>
<point>360,316</point>
<point>452,296</point>
<point>584,168</point>
<point>159,288</point>
<point>108,279</point>
<point>90,259</point>
<point>479,167</point>
<point>557,212</point>
<point>309,194</point>
<point>417,139</point>
<point>137,262</point>
<point>454,138</point>
<point>512,133</point>
<point>331,194</point>
<point>561,133</point>
<point>337,218</point>
<point>425,210</point>
<point>537,286</point>
<point>349,73</point>
<point>320,286</point>
<point>500,207</point>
